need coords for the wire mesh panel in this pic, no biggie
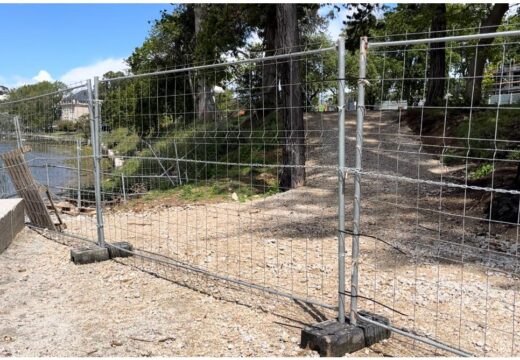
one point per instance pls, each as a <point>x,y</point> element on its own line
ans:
<point>440,189</point>
<point>52,122</point>
<point>228,170</point>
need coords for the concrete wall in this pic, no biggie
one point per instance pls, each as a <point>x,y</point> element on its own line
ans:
<point>12,218</point>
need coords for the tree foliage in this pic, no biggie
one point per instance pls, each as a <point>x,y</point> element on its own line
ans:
<point>406,21</point>
<point>248,94</point>
<point>36,105</point>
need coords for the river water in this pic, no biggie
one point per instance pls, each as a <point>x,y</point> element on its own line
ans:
<point>49,162</point>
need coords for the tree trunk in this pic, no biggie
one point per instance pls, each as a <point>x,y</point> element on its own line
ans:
<point>269,67</point>
<point>204,95</point>
<point>437,69</point>
<point>291,99</point>
<point>477,63</point>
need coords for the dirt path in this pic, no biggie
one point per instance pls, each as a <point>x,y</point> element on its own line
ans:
<point>441,281</point>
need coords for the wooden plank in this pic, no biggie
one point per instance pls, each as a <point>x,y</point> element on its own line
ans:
<point>27,188</point>
<point>23,190</point>
<point>21,186</point>
<point>60,223</point>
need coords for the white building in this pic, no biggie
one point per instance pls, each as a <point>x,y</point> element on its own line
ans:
<point>73,110</point>
<point>506,85</point>
<point>74,106</point>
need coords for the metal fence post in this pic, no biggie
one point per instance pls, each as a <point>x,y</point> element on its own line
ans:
<point>341,180</point>
<point>96,146</point>
<point>78,155</point>
<point>123,186</point>
<point>179,177</point>
<point>47,174</point>
<point>357,179</point>
<point>18,131</point>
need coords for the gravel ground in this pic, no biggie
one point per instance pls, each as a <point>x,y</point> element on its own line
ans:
<point>447,279</point>
<point>51,307</point>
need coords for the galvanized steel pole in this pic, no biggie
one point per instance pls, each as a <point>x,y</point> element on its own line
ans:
<point>123,186</point>
<point>444,39</point>
<point>341,180</point>
<point>357,179</point>
<point>78,155</point>
<point>18,132</point>
<point>224,64</point>
<point>47,174</point>
<point>96,145</point>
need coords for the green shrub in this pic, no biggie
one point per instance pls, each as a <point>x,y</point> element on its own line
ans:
<point>128,146</point>
<point>115,137</point>
<point>208,152</point>
<point>83,126</point>
<point>514,155</point>
<point>481,171</point>
<point>66,125</point>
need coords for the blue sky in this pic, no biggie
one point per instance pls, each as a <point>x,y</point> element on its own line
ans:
<point>69,42</point>
<point>73,42</point>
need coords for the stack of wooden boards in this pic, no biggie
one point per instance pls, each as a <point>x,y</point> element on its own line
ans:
<point>29,190</point>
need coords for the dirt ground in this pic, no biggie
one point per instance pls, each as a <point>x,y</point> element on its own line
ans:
<point>445,272</point>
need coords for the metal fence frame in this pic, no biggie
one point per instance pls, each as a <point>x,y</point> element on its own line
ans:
<point>94,102</point>
<point>365,46</point>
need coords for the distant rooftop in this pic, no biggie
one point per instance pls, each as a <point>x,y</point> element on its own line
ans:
<point>79,97</point>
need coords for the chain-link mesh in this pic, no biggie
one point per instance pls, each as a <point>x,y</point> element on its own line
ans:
<point>228,170</point>
<point>440,189</point>
<point>52,127</point>
<point>231,171</point>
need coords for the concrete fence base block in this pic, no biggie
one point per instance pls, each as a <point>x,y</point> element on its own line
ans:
<point>120,249</point>
<point>333,339</point>
<point>89,255</point>
<point>12,220</point>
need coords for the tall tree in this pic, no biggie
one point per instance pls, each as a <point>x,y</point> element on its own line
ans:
<point>293,154</point>
<point>193,34</point>
<point>202,33</point>
<point>41,113</point>
<point>437,67</point>
<point>203,97</point>
<point>490,24</point>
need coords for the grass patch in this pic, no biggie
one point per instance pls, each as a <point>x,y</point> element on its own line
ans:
<point>220,190</point>
<point>208,155</point>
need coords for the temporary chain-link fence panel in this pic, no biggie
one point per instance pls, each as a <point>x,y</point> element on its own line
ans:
<point>204,167</point>
<point>244,171</point>
<point>440,187</point>
<point>53,125</point>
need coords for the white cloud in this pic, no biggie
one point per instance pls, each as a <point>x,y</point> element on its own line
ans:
<point>97,69</point>
<point>43,76</point>
<point>72,76</point>
<point>16,81</point>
